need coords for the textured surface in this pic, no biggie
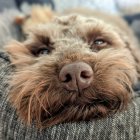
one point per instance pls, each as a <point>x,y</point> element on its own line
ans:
<point>122,126</point>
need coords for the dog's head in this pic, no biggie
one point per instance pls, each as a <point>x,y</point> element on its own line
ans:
<point>74,68</point>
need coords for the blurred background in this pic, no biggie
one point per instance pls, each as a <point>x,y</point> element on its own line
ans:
<point>112,6</point>
<point>128,9</point>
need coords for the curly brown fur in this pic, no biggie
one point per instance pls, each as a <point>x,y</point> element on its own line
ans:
<point>36,90</point>
<point>38,14</point>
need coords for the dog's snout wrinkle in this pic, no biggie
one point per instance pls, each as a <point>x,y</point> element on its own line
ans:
<point>76,76</point>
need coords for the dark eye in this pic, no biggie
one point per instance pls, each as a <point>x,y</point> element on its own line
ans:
<point>100,42</point>
<point>43,52</point>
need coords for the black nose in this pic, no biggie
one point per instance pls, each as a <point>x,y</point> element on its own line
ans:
<point>76,76</point>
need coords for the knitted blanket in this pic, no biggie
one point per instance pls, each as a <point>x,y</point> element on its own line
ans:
<point>122,126</point>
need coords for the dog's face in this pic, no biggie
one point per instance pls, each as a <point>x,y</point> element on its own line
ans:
<point>74,68</point>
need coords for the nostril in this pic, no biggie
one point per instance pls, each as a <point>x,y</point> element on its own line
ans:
<point>85,74</point>
<point>68,78</point>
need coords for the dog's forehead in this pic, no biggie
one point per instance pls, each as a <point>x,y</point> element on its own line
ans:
<point>73,19</point>
<point>71,26</point>
<point>63,23</point>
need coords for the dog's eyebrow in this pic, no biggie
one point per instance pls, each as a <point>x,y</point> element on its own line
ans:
<point>67,40</point>
<point>89,20</point>
<point>63,39</point>
<point>44,39</point>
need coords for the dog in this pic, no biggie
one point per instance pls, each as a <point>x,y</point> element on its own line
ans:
<point>79,66</point>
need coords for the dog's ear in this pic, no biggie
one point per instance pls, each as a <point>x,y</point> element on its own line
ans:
<point>133,45</point>
<point>18,52</point>
<point>135,53</point>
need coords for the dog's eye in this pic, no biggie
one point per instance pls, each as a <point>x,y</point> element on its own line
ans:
<point>38,49</point>
<point>100,42</point>
<point>43,52</point>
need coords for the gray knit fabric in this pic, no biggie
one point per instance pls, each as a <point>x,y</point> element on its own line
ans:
<point>122,126</point>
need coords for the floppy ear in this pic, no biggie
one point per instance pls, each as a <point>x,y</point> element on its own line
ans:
<point>133,45</point>
<point>135,51</point>
<point>18,53</point>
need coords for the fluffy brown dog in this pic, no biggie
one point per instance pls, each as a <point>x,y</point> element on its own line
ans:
<point>74,68</point>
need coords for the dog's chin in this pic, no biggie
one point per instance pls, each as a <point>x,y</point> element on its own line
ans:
<point>73,106</point>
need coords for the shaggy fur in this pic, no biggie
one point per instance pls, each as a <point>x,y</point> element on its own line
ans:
<point>36,90</point>
<point>37,14</point>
